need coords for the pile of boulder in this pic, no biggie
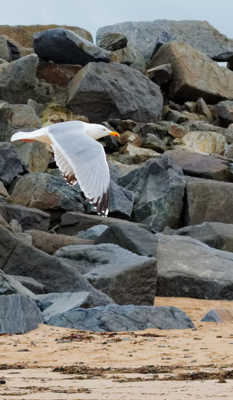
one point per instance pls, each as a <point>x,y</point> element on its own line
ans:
<point>160,84</point>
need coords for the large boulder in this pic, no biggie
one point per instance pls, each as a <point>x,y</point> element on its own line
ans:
<point>189,268</point>
<point>194,74</point>
<point>45,191</point>
<point>18,314</point>
<point>103,91</point>
<point>147,36</point>
<point>63,46</point>
<point>126,277</point>
<point>115,318</point>
<point>158,188</point>
<point>208,200</point>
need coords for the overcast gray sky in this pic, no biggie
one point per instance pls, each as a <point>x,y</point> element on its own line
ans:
<point>92,14</point>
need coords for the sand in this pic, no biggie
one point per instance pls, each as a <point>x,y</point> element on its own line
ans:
<point>55,363</point>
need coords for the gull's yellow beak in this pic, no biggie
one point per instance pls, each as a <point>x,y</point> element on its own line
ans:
<point>113,133</point>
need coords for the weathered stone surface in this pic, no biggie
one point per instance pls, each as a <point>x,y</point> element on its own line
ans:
<point>4,49</point>
<point>35,156</point>
<point>51,242</point>
<point>30,283</point>
<point>201,165</point>
<point>57,74</point>
<point>132,154</point>
<point>194,74</point>
<point>208,200</point>
<point>123,275</point>
<point>161,74</point>
<point>45,192</point>
<point>93,233</point>
<point>66,47</point>
<point>214,234</point>
<point>105,91</point>
<point>131,237</point>
<point>205,142</point>
<point>146,35</point>
<point>120,200</point>
<point>113,41</point>
<point>18,314</point>
<point>202,108</point>
<point>129,55</point>
<point>115,318</point>
<point>224,110</point>
<point>11,285</point>
<point>54,304</point>
<point>73,222</point>
<point>158,188</point>
<point>23,34</point>
<point>189,268</point>
<point>10,164</point>
<point>17,258</point>
<point>28,218</point>
<point>218,315</point>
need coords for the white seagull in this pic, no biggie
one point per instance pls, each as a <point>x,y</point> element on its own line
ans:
<point>79,157</point>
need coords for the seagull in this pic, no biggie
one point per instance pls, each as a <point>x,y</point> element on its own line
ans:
<point>79,157</point>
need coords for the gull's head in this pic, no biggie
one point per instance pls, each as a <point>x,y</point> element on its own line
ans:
<point>97,131</point>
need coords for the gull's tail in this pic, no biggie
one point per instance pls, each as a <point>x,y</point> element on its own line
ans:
<point>39,134</point>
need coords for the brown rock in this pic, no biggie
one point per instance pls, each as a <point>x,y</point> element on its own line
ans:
<point>51,242</point>
<point>194,74</point>
<point>130,137</point>
<point>57,74</point>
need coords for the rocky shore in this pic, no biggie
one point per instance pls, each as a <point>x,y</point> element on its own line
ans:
<point>170,230</point>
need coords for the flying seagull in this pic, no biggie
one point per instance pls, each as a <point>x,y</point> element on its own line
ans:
<point>79,157</point>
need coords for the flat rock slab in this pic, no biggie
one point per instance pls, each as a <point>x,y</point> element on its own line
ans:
<point>63,46</point>
<point>124,276</point>
<point>18,314</point>
<point>189,268</point>
<point>194,74</point>
<point>103,91</point>
<point>122,318</point>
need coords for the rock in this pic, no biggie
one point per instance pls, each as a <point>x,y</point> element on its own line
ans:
<point>54,304</point>
<point>57,74</point>
<point>121,274</point>
<point>214,234</point>
<point>205,142</point>
<point>3,193</point>
<point>28,218</point>
<point>163,129</point>
<point>46,192</point>
<point>52,272</point>
<point>215,83</point>
<point>30,283</point>
<point>93,233</point>
<point>208,200</point>
<point>189,268</point>
<point>218,315</point>
<point>3,222</point>
<point>73,222</point>
<point>113,41</point>
<point>115,318</point>
<point>51,242</point>
<point>202,108</point>
<point>4,49</point>
<point>135,155</point>
<point>35,156</point>
<point>11,285</point>
<point>23,34</point>
<point>148,36</point>
<point>63,46</point>
<point>202,126</point>
<point>129,55</point>
<point>129,236</point>
<point>158,188</point>
<point>120,200</point>
<point>201,165</point>
<point>161,74</point>
<point>121,85</point>
<point>18,314</point>
<point>10,164</point>
<point>224,110</point>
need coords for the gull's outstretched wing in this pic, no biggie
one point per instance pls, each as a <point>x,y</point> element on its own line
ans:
<point>82,159</point>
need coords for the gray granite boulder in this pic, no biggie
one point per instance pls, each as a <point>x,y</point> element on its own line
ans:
<point>63,46</point>
<point>124,276</point>
<point>122,318</point>
<point>158,188</point>
<point>10,163</point>
<point>18,314</point>
<point>208,200</point>
<point>113,41</point>
<point>224,110</point>
<point>28,218</point>
<point>120,200</point>
<point>103,91</point>
<point>11,285</point>
<point>147,36</point>
<point>189,268</point>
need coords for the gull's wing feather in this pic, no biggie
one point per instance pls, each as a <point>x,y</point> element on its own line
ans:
<point>82,159</point>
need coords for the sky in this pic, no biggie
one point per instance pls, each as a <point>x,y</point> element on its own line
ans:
<point>93,14</point>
